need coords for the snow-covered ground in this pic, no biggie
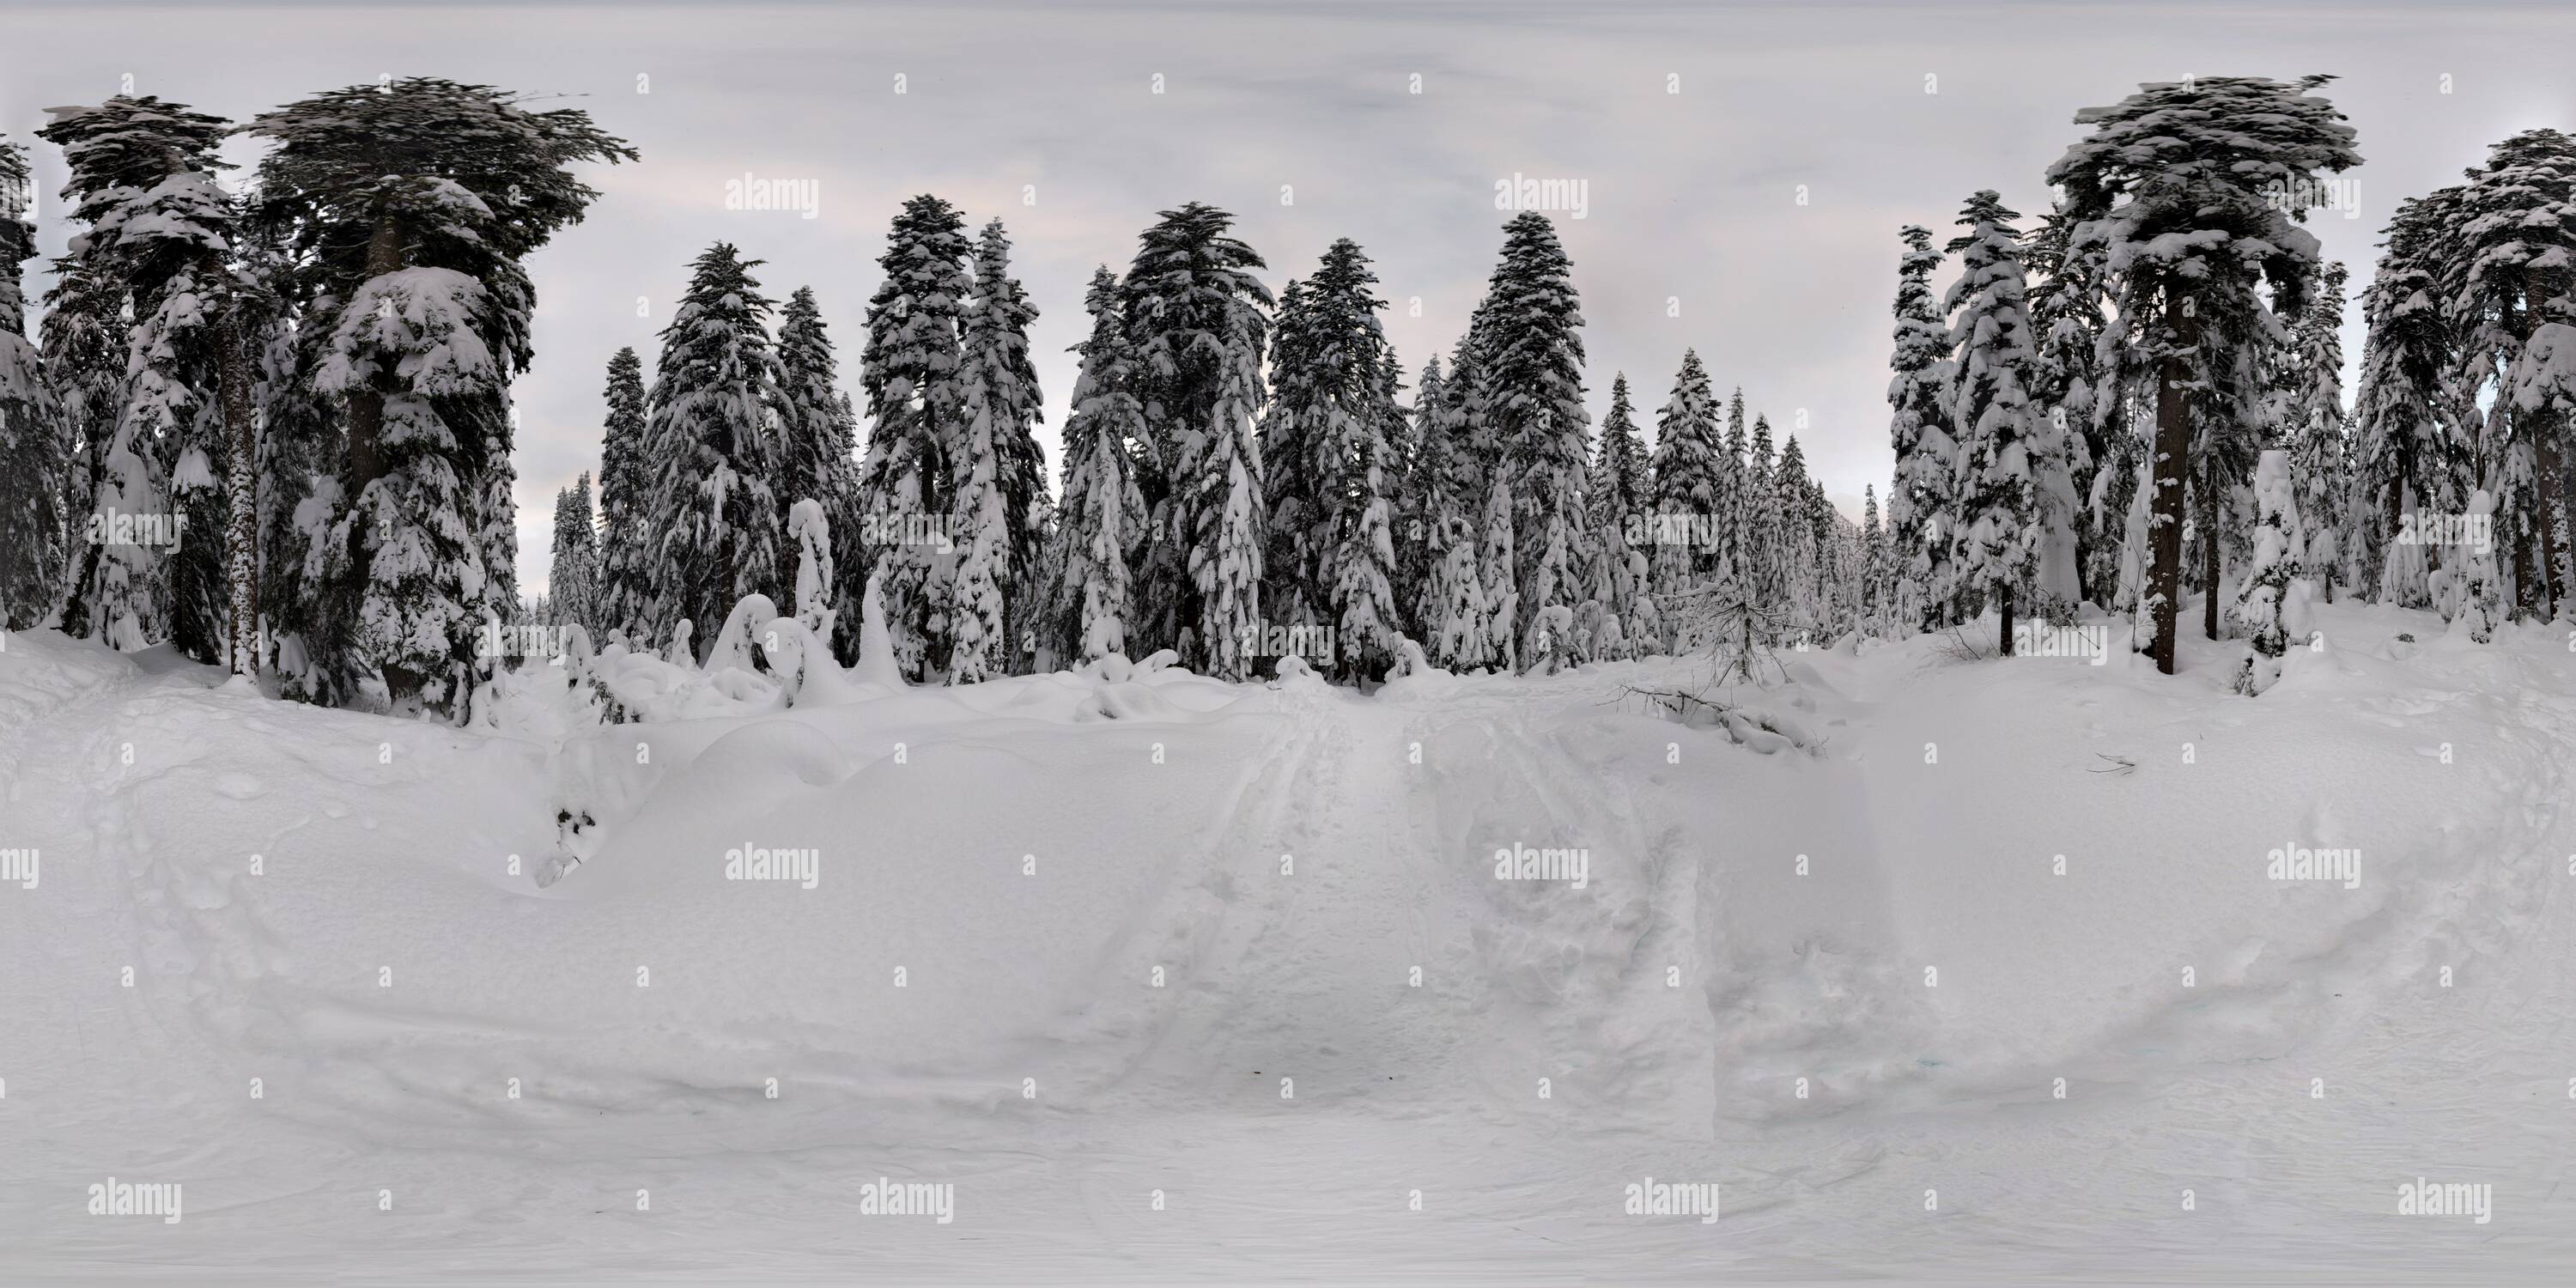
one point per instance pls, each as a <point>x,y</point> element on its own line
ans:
<point>1367,1056</point>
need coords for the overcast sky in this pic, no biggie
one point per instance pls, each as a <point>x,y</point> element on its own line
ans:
<point>1745,168</point>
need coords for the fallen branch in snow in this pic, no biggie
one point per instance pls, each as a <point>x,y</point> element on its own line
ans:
<point>1765,732</point>
<point>2118,765</point>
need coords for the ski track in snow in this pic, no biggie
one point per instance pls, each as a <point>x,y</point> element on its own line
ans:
<point>1671,1004</point>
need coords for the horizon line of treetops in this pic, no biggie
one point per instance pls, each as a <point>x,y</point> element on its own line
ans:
<point>318,370</point>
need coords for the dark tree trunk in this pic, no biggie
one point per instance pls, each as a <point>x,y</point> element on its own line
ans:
<point>2004,595</point>
<point>2209,560</point>
<point>366,462</point>
<point>2173,448</point>
<point>241,485</point>
<point>2545,443</point>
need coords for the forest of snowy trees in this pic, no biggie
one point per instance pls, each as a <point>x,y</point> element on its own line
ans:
<point>2141,396</point>
<point>271,426</point>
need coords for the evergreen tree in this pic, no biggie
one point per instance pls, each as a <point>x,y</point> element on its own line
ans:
<point>2317,426</point>
<point>32,432</point>
<point>2511,270</point>
<point>408,207</point>
<point>159,227</point>
<point>1763,572</point>
<point>624,598</point>
<point>1498,571</point>
<point>992,507</point>
<point>1226,548</point>
<point>1801,547</point>
<point>2001,526</point>
<point>910,371</point>
<point>1193,310</point>
<point>1456,621</point>
<point>1329,447</point>
<point>2176,185</point>
<point>1092,598</point>
<point>1874,569</point>
<point>816,442</point>
<point>572,584</point>
<point>83,346</point>
<point>2410,447</point>
<point>1693,481</point>
<point>1532,360</point>
<point>1919,502</point>
<point>1622,494</point>
<point>717,530</point>
<point>2271,603</point>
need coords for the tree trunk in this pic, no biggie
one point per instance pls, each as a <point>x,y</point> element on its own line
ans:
<point>2545,445</point>
<point>2004,594</point>
<point>366,462</point>
<point>2396,519</point>
<point>241,485</point>
<point>2209,545</point>
<point>2173,446</point>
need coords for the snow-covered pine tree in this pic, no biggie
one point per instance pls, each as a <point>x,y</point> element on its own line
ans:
<point>2411,444</point>
<point>2317,433</point>
<point>1739,521</point>
<point>1763,572</point>
<point>1296,446</point>
<point>409,206</point>
<point>1419,544</point>
<point>1532,359</point>
<point>2512,269</point>
<point>1101,518</point>
<point>915,406</point>
<point>2272,603</point>
<point>624,597</point>
<point>1803,602</point>
<point>1328,445</point>
<point>572,586</point>
<point>1453,612</point>
<point>816,443</point>
<point>1621,494</point>
<point>1190,298</point>
<point>1694,483</point>
<point>83,344</point>
<point>2079,404</point>
<point>1874,579</point>
<point>2542,388</point>
<point>2003,521</point>
<point>1226,550</point>
<point>33,437</point>
<point>1497,569</point>
<point>993,528</point>
<point>1920,502</point>
<point>2178,186</point>
<point>160,227</point>
<point>718,532</point>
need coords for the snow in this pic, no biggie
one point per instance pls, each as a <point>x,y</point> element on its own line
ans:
<point>1029,851</point>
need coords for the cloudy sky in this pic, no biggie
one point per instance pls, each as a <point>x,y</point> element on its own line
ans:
<point>1744,168</point>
